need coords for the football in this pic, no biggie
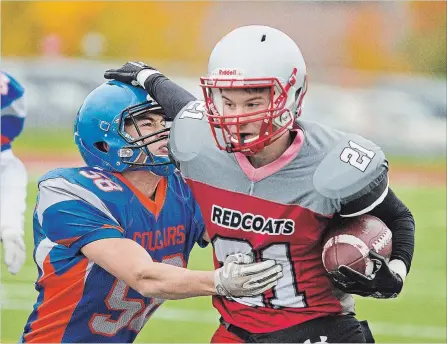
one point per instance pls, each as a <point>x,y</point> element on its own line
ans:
<point>349,241</point>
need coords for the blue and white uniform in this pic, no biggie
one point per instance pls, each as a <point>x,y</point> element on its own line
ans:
<point>78,301</point>
<point>13,177</point>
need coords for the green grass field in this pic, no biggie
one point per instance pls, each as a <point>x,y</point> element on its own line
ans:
<point>418,315</point>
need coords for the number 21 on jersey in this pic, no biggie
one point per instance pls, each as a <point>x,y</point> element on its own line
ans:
<point>357,156</point>
<point>286,292</point>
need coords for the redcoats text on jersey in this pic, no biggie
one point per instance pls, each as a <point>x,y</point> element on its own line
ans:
<point>249,222</point>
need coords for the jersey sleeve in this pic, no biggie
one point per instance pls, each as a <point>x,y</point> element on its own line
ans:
<point>171,96</point>
<point>368,199</point>
<point>354,174</point>
<point>73,216</point>
<point>190,132</point>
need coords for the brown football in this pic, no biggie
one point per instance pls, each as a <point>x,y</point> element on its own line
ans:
<point>349,241</point>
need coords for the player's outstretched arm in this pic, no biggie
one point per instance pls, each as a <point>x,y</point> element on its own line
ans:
<point>168,94</point>
<point>128,261</point>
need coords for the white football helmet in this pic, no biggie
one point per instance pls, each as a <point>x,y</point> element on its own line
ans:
<point>255,57</point>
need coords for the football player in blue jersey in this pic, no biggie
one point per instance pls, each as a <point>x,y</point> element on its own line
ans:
<point>13,177</point>
<point>112,240</point>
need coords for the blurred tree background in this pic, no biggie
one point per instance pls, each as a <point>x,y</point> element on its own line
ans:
<point>175,33</point>
<point>45,28</point>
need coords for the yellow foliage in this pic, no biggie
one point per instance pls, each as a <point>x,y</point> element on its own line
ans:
<point>153,30</point>
<point>370,46</point>
<point>428,15</point>
<point>161,30</point>
<point>365,48</point>
<point>173,32</point>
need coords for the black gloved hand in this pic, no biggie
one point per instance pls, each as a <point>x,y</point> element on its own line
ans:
<point>382,284</point>
<point>127,73</point>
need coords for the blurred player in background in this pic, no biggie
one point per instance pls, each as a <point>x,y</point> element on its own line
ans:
<point>112,239</point>
<point>13,177</point>
<point>269,183</point>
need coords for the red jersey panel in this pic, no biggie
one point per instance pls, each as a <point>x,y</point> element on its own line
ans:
<point>291,235</point>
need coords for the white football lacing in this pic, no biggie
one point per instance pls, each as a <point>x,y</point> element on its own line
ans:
<point>382,241</point>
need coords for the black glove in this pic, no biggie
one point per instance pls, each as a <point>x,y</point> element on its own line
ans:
<point>127,73</point>
<point>382,284</point>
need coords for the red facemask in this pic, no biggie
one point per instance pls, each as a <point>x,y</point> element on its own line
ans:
<point>269,130</point>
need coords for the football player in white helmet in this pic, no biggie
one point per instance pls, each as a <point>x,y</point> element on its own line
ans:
<point>254,104</point>
<point>269,182</point>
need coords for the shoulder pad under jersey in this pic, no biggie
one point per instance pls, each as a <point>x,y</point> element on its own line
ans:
<point>79,181</point>
<point>350,169</point>
<point>73,213</point>
<point>190,132</point>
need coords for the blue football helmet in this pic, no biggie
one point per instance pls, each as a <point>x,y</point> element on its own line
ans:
<point>100,136</point>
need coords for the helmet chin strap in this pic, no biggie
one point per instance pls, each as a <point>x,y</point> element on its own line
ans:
<point>229,147</point>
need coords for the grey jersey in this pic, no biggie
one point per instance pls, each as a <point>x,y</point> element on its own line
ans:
<point>280,210</point>
<point>331,169</point>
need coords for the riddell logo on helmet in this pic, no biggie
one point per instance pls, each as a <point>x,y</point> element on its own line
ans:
<point>227,72</point>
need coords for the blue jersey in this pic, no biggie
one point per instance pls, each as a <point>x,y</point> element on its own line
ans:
<point>12,110</point>
<point>78,301</point>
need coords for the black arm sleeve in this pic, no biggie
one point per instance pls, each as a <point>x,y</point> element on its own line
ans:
<point>168,94</point>
<point>371,195</point>
<point>400,221</point>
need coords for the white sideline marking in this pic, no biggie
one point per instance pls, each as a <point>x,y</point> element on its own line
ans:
<point>211,317</point>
